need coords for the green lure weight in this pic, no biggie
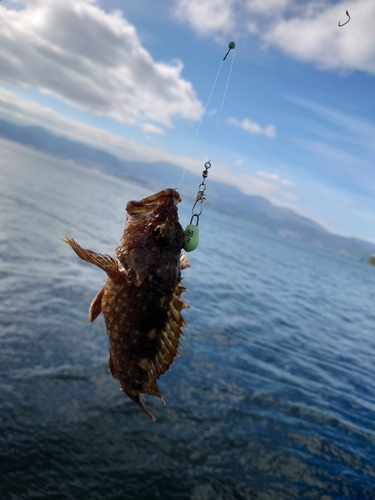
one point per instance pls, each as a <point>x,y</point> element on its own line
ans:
<point>191,237</point>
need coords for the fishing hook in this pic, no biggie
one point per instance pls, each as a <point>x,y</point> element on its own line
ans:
<point>343,24</point>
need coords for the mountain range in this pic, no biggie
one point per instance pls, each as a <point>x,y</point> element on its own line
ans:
<point>223,197</point>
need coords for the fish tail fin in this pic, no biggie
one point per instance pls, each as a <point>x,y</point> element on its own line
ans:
<point>105,262</point>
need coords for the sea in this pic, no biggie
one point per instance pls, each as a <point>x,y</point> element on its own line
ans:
<point>272,397</point>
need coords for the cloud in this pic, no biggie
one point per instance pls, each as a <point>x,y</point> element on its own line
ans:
<point>271,7</point>
<point>312,35</point>
<point>275,178</point>
<point>306,31</point>
<point>269,186</point>
<point>253,127</point>
<point>152,129</point>
<point>360,130</point>
<point>93,60</point>
<point>207,17</point>
<point>341,146</point>
<point>340,211</point>
<point>25,112</point>
<point>310,196</point>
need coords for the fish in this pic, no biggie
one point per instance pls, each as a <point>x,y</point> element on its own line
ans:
<point>141,298</point>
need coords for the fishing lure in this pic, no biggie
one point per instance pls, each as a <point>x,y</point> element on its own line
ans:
<point>231,45</point>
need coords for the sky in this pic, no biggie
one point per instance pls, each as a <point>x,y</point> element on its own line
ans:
<point>289,115</point>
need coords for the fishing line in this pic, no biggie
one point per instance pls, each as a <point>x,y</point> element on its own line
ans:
<point>231,45</point>
<point>222,105</point>
<point>238,20</point>
<point>201,119</point>
<point>192,229</point>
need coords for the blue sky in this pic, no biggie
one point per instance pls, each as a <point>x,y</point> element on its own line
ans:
<point>298,122</point>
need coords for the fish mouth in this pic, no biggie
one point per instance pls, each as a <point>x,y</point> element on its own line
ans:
<point>167,196</point>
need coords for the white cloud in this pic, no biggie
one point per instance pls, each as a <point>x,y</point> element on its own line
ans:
<point>359,130</point>
<point>328,140</point>
<point>309,195</point>
<point>268,175</point>
<point>306,31</point>
<point>275,178</point>
<point>273,6</point>
<point>24,112</point>
<point>207,17</point>
<point>313,36</point>
<point>336,209</point>
<point>93,60</point>
<point>152,129</point>
<point>269,186</point>
<point>253,127</point>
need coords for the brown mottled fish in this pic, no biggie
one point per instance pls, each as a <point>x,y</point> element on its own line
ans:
<point>140,300</point>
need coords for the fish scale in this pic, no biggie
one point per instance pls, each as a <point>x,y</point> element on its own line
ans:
<point>140,300</point>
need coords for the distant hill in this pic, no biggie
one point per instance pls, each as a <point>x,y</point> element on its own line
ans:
<point>223,198</point>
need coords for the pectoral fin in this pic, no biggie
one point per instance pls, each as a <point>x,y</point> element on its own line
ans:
<point>184,261</point>
<point>106,262</point>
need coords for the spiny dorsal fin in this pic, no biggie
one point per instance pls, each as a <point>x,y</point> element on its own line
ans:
<point>170,334</point>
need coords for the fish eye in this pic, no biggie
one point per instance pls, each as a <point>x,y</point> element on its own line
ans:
<point>156,232</point>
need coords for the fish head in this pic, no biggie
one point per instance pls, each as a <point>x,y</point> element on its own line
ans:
<point>153,238</point>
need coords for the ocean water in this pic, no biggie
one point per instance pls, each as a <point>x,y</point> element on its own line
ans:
<point>273,396</point>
